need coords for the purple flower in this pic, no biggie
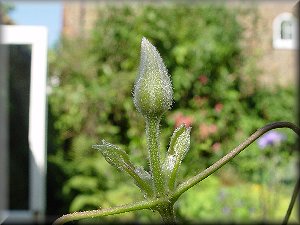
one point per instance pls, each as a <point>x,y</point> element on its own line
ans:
<point>226,210</point>
<point>270,138</point>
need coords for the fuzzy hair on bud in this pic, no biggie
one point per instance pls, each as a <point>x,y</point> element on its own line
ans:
<point>153,93</point>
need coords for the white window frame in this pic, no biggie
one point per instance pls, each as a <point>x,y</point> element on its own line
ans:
<point>36,36</point>
<point>278,42</point>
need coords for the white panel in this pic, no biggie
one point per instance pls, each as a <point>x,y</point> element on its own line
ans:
<point>4,118</point>
<point>37,37</point>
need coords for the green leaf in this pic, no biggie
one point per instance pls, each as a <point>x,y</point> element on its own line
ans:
<point>81,183</point>
<point>86,201</point>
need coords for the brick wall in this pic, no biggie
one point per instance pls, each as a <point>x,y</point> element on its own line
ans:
<point>78,17</point>
<point>277,66</point>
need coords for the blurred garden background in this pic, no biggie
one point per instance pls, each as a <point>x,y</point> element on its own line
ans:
<point>224,88</point>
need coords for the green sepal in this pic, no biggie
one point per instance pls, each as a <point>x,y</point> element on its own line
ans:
<point>177,132</point>
<point>179,146</point>
<point>114,156</point>
<point>147,178</point>
<point>120,159</point>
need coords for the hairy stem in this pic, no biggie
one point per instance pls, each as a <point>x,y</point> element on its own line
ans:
<point>152,133</point>
<point>217,165</point>
<point>106,212</point>
<point>167,214</point>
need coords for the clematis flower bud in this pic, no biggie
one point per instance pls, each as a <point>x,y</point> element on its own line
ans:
<point>153,93</point>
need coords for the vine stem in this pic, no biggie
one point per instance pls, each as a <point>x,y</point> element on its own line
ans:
<point>106,212</point>
<point>152,133</point>
<point>221,162</point>
<point>292,202</point>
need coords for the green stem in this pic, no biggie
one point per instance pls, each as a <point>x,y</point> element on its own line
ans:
<point>106,212</point>
<point>152,133</point>
<point>217,165</point>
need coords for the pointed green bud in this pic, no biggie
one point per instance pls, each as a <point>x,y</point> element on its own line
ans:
<point>120,159</point>
<point>179,146</point>
<point>114,156</point>
<point>177,132</point>
<point>181,143</point>
<point>153,89</point>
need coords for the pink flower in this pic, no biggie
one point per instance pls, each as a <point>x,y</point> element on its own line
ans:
<point>205,130</point>
<point>218,107</point>
<point>216,147</point>
<point>203,79</point>
<point>199,101</point>
<point>181,119</point>
<point>213,128</point>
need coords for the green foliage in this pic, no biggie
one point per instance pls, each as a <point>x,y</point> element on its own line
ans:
<point>6,8</point>
<point>267,105</point>
<point>201,48</point>
<point>212,201</point>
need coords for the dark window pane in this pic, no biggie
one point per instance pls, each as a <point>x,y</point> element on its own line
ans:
<point>19,89</point>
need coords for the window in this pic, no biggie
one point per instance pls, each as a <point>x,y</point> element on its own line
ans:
<point>285,31</point>
<point>23,69</point>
